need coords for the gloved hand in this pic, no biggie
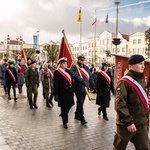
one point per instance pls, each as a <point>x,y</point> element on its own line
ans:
<point>84,83</point>
<point>56,98</point>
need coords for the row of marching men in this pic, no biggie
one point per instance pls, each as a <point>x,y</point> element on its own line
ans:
<point>63,83</point>
<point>12,75</point>
<point>78,80</point>
<point>131,101</point>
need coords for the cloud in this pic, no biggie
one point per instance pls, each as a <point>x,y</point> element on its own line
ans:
<point>50,17</point>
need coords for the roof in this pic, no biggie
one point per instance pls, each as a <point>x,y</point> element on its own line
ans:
<point>14,42</point>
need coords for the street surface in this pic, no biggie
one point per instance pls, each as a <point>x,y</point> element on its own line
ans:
<point>22,128</point>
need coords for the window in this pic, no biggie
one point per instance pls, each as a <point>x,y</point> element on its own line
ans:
<point>134,41</point>
<point>123,49</point>
<point>139,41</point>
<point>134,50</point>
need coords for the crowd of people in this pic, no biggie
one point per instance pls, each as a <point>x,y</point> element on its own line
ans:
<point>64,84</point>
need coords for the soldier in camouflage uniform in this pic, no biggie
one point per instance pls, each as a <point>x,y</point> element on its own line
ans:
<point>52,69</point>
<point>32,83</point>
<point>45,72</point>
<point>131,105</point>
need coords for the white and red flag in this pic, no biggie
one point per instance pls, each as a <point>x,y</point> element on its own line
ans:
<point>94,20</point>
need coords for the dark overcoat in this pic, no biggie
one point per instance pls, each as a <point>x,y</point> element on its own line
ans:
<point>63,89</point>
<point>3,72</point>
<point>9,79</point>
<point>79,86</point>
<point>103,90</point>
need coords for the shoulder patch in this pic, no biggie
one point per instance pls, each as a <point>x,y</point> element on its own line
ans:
<point>117,91</point>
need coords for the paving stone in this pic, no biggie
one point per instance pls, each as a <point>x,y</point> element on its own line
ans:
<point>24,129</point>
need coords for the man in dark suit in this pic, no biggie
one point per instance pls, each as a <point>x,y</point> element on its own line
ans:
<point>83,78</point>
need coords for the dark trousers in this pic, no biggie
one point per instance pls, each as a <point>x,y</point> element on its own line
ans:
<point>138,138</point>
<point>79,107</point>
<point>14,90</point>
<point>64,114</point>
<point>5,89</point>
<point>103,109</point>
<point>20,87</point>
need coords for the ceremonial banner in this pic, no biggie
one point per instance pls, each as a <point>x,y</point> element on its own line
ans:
<point>65,51</point>
<point>23,57</point>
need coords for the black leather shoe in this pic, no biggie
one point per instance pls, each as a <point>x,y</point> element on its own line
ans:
<point>9,98</point>
<point>51,103</point>
<point>105,118</point>
<point>15,99</point>
<point>99,111</point>
<point>48,105</point>
<point>77,118</point>
<point>83,122</point>
<point>31,107</point>
<point>35,106</point>
<point>65,126</point>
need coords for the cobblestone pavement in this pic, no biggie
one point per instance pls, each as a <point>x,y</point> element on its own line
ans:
<point>41,129</point>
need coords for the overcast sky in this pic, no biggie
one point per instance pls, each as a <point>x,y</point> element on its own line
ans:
<point>50,17</point>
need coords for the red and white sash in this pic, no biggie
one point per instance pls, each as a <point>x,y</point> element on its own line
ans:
<point>20,69</point>
<point>50,73</point>
<point>105,75</point>
<point>11,74</point>
<point>65,75</point>
<point>84,73</point>
<point>138,88</point>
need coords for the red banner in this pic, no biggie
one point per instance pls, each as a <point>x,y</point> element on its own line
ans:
<point>122,66</point>
<point>65,51</point>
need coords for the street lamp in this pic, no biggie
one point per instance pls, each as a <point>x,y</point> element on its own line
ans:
<point>116,41</point>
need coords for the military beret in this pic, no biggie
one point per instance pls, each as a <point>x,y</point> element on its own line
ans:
<point>134,59</point>
<point>63,59</point>
<point>33,61</point>
<point>81,57</point>
<point>11,62</point>
<point>49,61</point>
<point>29,59</point>
<point>5,60</point>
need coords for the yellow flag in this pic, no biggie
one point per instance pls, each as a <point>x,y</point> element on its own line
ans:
<point>78,19</point>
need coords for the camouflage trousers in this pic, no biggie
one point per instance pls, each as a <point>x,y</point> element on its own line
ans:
<point>32,89</point>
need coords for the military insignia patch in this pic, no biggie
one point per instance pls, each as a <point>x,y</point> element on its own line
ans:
<point>118,91</point>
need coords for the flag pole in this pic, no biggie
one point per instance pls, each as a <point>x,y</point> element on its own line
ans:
<point>107,32</point>
<point>95,41</point>
<point>80,32</point>
<point>75,63</point>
